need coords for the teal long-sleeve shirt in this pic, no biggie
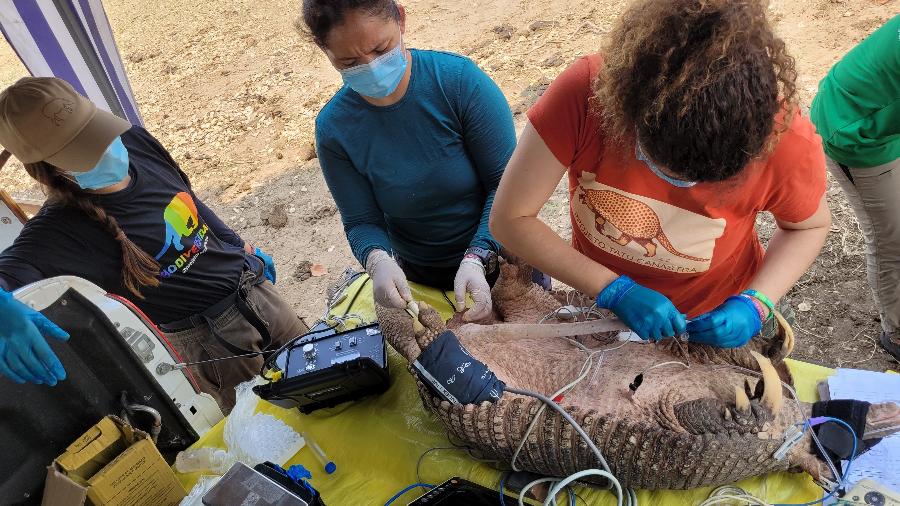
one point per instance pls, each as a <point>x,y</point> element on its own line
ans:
<point>418,177</point>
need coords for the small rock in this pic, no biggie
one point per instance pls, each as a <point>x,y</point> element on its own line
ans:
<point>804,306</point>
<point>310,153</point>
<point>504,31</point>
<point>540,25</point>
<point>318,270</point>
<point>320,212</point>
<point>553,60</point>
<point>848,14</point>
<point>276,217</point>
<point>278,155</point>
<point>330,249</point>
<point>303,271</point>
<point>292,210</point>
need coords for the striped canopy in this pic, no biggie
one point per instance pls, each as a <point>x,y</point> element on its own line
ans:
<point>71,40</point>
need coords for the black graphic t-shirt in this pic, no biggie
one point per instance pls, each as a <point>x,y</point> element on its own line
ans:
<point>200,258</point>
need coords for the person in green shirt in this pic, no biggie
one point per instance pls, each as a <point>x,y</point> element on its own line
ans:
<point>857,113</point>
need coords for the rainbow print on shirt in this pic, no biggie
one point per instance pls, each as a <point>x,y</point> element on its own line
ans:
<point>182,222</point>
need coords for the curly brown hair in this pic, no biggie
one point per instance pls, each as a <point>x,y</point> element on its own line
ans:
<point>700,83</point>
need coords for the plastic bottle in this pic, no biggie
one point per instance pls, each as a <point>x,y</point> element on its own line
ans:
<point>204,459</point>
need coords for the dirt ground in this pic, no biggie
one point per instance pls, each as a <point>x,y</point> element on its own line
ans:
<point>233,90</point>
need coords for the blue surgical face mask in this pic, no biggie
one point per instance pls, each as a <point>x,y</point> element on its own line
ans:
<point>381,76</point>
<point>639,153</point>
<point>111,169</point>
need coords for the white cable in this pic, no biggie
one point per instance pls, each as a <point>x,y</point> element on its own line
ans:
<point>673,362</point>
<point>585,370</point>
<point>585,367</point>
<point>838,477</point>
<point>632,497</point>
<point>568,418</point>
<point>747,498</point>
<point>561,484</point>
<point>731,493</point>
<point>528,487</point>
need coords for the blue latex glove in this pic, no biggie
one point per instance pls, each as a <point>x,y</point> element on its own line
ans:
<point>24,352</point>
<point>269,268</point>
<point>731,324</point>
<point>647,312</point>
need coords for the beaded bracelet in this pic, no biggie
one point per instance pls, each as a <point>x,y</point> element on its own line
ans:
<point>762,298</point>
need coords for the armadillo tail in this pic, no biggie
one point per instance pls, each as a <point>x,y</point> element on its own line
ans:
<point>664,242</point>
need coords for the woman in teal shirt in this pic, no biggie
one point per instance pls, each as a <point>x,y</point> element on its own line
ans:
<point>412,148</point>
<point>857,113</point>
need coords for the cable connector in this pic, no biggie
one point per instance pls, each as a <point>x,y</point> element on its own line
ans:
<point>792,436</point>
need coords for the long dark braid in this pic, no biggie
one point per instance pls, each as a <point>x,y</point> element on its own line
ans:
<point>138,268</point>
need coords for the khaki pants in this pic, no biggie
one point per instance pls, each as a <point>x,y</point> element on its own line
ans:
<point>219,378</point>
<point>874,194</point>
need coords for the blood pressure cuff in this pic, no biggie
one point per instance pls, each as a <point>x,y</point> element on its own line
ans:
<point>838,442</point>
<point>454,374</point>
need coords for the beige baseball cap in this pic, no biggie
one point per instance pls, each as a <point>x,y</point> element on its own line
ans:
<point>45,119</point>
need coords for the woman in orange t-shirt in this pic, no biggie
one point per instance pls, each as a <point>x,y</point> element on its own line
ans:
<point>674,140</point>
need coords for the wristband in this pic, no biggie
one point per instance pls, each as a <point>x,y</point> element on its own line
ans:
<point>762,298</point>
<point>760,307</point>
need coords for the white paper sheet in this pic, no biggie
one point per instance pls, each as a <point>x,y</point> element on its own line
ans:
<point>881,463</point>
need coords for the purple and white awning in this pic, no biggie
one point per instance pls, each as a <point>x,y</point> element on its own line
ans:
<point>71,40</point>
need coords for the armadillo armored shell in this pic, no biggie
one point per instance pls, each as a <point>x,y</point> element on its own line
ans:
<point>707,424</point>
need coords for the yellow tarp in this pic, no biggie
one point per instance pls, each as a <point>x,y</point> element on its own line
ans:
<point>377,441</point>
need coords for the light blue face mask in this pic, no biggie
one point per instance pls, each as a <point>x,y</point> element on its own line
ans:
<point>381,76</point>
<point>639,153</point>
<point>112,168</point>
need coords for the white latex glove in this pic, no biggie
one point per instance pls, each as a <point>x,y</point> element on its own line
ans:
<point>388,281</point>
<point>470,278</point>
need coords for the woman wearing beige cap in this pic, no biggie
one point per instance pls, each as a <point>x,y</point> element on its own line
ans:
<point>121,214</point>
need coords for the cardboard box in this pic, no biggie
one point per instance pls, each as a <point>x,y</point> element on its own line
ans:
<point>112,464</point>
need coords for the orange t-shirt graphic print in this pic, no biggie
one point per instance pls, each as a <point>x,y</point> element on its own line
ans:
<point>643,230</point>
<point>696,245</point>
